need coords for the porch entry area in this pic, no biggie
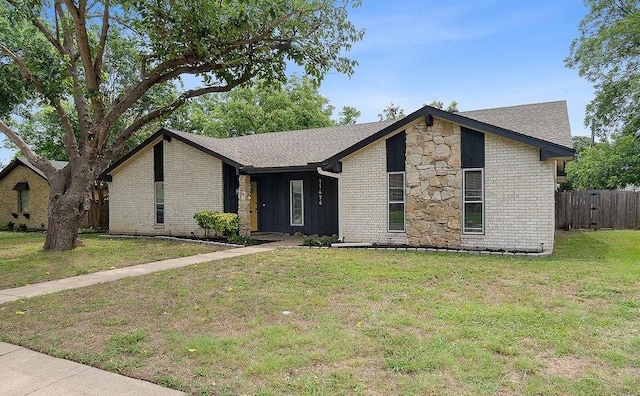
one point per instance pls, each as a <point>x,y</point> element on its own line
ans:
<point>304,202</point>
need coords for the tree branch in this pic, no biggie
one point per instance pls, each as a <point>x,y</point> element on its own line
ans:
<point>92,78</point>
<point>118,146</point>
<point>103,39</point>
<point>69,138</point>
<point>31,156</point>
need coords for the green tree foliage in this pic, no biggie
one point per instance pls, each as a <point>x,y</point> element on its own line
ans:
<point>452,107</point>
<point>580,143</point>
<point>110,68</point>
<point>349,115</point>
<point>607,165</point>
<point>606,54</point>
<point>257,108</point>
<point>391,112</point>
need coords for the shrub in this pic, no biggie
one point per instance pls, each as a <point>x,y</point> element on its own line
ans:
<point>22,227</point>
<point>241,240</point>
<point>225,224</point>
<point>310,242</point>
<point>324,241</point>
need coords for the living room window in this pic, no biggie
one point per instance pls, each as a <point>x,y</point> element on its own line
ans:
<point>473,205</point>
<point>296,203</point>
<point>396,201</point>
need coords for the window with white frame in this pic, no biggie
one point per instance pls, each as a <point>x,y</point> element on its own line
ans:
<point>23,201</point>
<point>396,201</point>
<point>296,200</point>
<point>473,205</point>
<point>159,202</point>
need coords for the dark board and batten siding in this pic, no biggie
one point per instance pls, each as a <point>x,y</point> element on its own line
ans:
<point>598,209</point>
<point>320,195</point>
<point>472,148</point>
<point>230,184</point>
<point>396,152</point>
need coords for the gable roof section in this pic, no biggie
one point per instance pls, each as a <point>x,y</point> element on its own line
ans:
<point>269,151</point>
<point>541,125</point>
<point>546,121</point>
<point>519,123</point>
<point>23,161</point>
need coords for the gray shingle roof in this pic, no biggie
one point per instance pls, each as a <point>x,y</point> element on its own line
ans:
<point>285,149</point>
<point>22,160</point>
<point>547,121</point>
<point>56,164</point>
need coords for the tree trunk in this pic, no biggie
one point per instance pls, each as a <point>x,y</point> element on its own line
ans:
<point>68,203</point>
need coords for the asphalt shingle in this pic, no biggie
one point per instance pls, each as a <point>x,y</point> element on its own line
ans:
<point>545,121</point>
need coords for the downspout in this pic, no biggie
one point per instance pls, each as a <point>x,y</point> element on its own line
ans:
<point>335,176</point>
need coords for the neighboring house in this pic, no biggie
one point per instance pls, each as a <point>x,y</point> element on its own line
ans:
<point>24,194</point>
<point>476,180</point>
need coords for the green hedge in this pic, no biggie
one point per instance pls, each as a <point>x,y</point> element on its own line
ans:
<point>225,224</point>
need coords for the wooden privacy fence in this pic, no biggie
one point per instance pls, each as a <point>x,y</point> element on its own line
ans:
<point>597,209</point>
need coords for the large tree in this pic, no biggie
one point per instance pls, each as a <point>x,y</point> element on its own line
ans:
<point>607,53</point>
<point>99,65</point>
<point>259,108</point>
<point>606,165</point>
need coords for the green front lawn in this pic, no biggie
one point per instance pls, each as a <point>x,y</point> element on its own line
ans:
<point>326,322</point>
<point>23,261</point>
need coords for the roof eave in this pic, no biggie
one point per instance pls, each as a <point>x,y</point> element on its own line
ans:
<point>17,161</point>
<point>106,175</point>
<point>547,149</point>
<point>252,170</point>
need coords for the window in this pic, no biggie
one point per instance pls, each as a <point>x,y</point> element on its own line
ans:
<point>473,205</point>
<point>297,203</point>
<point>159,202</point>
<point>396,201</point>
<point>23,201</point>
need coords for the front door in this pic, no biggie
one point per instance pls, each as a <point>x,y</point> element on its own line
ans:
<point>253,206</point>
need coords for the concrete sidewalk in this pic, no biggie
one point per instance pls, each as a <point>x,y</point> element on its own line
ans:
<point>75,282</point>
<point>25,372</point>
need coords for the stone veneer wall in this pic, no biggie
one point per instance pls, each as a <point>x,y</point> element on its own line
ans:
<point>38,198</point>
<point>519,198</point>
<point>433,178</point>
<point>244,204</point>
<point>192,183</point>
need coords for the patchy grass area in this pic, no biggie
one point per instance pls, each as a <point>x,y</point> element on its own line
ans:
<point>327,322</point>
<point>23,261</point>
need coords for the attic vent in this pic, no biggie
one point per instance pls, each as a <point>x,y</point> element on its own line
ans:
<point>22,186</point>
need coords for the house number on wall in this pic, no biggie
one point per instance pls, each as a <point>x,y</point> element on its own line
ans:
<point>320,192</point>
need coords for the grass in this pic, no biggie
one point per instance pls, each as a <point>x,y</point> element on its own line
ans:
<point>331,322</point>
<point>23,261</point>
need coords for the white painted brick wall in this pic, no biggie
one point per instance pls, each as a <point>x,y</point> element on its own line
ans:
<point>519,198</point>
<point>131,196</point>
<point>364,197</point>
<point>192,183</point>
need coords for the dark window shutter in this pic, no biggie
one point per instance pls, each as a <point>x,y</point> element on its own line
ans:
<point>158,163</point>
<point>472,149</point>
<point>396,149</point>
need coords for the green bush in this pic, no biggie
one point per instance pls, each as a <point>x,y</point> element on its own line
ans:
<point>310,242</point>
<point>225,224</point>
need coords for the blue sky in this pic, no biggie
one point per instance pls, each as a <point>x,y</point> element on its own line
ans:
<point>480,53</point>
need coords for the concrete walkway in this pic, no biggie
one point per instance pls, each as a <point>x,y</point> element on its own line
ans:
<point>25,372</point>
<point>75,282</point>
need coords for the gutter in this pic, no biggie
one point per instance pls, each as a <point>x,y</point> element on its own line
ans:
<point>335,176</point>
